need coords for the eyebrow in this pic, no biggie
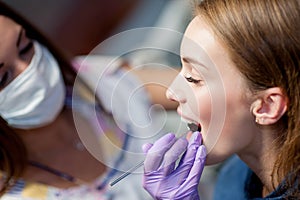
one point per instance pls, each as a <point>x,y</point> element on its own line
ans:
<point>191,60</point>
<point>19,38</point>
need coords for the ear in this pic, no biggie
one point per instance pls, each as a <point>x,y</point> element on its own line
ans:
<point>270,106</point>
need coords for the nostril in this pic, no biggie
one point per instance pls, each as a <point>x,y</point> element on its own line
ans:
<point>177,96</point>
<point>170,95</point>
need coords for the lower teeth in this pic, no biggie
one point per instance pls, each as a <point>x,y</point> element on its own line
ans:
<point>193,127</point>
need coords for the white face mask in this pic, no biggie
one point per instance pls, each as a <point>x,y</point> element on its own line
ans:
<point>36,96</point>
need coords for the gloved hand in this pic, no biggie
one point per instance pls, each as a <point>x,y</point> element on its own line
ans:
<point>162,179</point>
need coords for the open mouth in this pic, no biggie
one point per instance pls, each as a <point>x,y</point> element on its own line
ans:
<point>194,127</point>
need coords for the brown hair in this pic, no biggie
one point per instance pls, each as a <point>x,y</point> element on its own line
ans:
<point>13,155</point>
<point>262,37</point>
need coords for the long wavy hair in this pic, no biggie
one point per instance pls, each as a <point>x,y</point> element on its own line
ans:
<point>263,38</point>
<point>13,155</point>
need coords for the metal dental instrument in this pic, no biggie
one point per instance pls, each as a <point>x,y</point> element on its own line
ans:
<point>191,126</point>
<point>122,176</point>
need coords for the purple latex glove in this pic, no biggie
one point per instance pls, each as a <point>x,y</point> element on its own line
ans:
<point>162,179</point>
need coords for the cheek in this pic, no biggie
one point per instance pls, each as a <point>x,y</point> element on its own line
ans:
<point>235,137</point>
<point>236,131</point>
<point>199,103</point>
<point>204,109</point>
<point>210,112</point>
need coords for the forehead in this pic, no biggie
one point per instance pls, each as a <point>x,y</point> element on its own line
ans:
<point>200,42</point>
<point>6,24</point>
<point>199,33</point>
<point>199,38</point>
<point>8,35</point>
<point>202,45</point>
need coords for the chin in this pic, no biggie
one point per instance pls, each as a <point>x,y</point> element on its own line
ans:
<point>213,159</point>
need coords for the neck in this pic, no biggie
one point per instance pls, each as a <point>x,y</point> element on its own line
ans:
<point>54,147</point>
<point>51,139</point>
<point>261,158</point>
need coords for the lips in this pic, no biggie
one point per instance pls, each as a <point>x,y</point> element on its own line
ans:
<point>191,124</point>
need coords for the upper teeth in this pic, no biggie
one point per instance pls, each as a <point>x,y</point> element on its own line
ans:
<point>193,127</point>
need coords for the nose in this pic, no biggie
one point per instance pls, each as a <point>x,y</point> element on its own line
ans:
<point>176,90</point>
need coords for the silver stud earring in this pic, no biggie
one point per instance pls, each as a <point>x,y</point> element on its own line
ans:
<point>259,120</point>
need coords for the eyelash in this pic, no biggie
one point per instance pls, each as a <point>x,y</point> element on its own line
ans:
<point>22,52</point>
<point>26,49</point>
<point>192,80</point>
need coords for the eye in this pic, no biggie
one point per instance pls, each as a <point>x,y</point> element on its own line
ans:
<point>26,49</point>
<point>3,80</point>
<point>192,80</point>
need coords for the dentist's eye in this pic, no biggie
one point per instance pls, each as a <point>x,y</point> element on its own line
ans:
<point>192,80</point>
<point>3,80</point>
<point>26,49</point>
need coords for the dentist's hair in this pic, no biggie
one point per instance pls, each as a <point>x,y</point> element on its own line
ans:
<point>13,152</point>
<point>262,37</point>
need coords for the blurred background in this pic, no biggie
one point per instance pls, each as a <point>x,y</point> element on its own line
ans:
<point>78,26</point>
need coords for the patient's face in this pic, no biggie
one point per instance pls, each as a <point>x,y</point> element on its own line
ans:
<point>212,93</point>
<point>16,50</point>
